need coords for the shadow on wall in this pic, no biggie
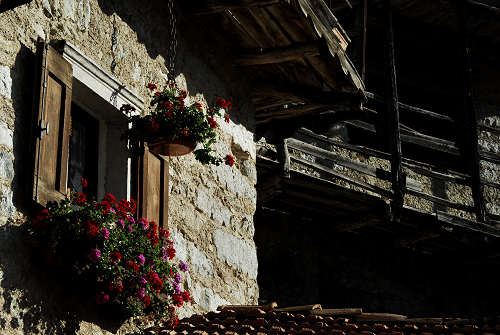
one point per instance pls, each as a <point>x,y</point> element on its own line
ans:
<point>34,298</point>
<point>203,57</point>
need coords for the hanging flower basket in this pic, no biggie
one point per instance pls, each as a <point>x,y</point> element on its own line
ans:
<point>168,147</point>
<point>174,128</point>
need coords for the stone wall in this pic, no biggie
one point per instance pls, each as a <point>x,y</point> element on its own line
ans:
<point>211,208</point>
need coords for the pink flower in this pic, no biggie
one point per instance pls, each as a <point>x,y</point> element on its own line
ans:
<point>121,223</point>
<point>94,254</point>
<point>141,259</point>
<point>144,223</point>
<point>141,293</point>
<point>105,233</point>
<point>102,298</point>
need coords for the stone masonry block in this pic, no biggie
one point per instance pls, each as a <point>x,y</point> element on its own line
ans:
<point>5,82</point>
<point>199,261</point>
<point>238,253</point>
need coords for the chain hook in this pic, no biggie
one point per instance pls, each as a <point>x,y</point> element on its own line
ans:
<point>173,43</point>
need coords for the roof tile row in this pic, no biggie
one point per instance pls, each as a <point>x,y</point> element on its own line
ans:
<point>308,320</point>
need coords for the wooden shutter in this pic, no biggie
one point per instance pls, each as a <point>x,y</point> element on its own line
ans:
<point>151,185</point>
<point>52,111</point>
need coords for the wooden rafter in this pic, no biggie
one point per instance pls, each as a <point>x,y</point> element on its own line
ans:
<point>217,6</point>
<point>281,54</point>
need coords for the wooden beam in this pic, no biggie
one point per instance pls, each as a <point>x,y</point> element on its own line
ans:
<point>287,93</point>
<point>441,201</point>
<point>217,6</point>
<point>482,5</point>
<point>346,162</point>
<point>284,156</point>
<point>413,109</point>
<point>417,139</point>
<point>419,167</point>
<point>291,112</point>
<point>338,312</point>
<point>489,156</point>
<point>472,151</point>
<point>469,225</point>
<point>335,174</point>
<point>392,119</point>
<point>281,54</point>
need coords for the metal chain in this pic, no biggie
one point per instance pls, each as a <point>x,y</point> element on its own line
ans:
<point>173,42</point>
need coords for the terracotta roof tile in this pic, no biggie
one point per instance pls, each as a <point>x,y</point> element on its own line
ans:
<point>310,319</point>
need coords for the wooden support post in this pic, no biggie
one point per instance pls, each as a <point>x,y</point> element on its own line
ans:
<point>363,56</point>
<point>471,152</point>
<point>283,156</point>
<point>392,120</point>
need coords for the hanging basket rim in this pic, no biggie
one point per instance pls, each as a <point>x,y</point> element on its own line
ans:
<point>166,146</point>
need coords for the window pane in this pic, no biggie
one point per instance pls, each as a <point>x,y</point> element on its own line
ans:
<point>83,152</point>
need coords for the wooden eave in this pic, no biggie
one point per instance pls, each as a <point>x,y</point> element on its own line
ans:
<point>290,51</point>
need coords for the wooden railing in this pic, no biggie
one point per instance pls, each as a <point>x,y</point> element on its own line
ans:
<point>413,187</point>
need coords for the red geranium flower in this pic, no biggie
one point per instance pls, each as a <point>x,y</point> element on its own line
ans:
<point>147,301</point>
<point>186,296</point>
<point>40,218</point>
<point>115,256</point>
<point>83,181</point>
<point>221,103</point>
<point>133,266</point>
<point>92,229</point>
<point>152,86</point>
<point>229,160</point>
<point>110,198</point>
<point>198,105</point>
<point>212,122</point>
<point>79,199</point>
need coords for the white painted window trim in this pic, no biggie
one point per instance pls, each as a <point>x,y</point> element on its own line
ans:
<point>100,81</point>
<point>110,89</point>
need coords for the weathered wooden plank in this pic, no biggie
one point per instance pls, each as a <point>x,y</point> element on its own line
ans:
<point>490,183</point>
<point>338,311</point>
<point>484,6</point>
<point>346,162</point>
<point>290,112</point>
<point>470,225</point>
<point>412,109</point>
<point>303,308</point>
<point>416,138</point>
<point>489,156</point>
<point>380,317</point>
<point>442,201</point>
<point>217,6</point>
<point>335,174</point>
<point>270,27</point>
<point>492,129</point>
<point>330,190</point>
<point>280,54</point>
<point>247,308</point>
<point>419,167</point>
